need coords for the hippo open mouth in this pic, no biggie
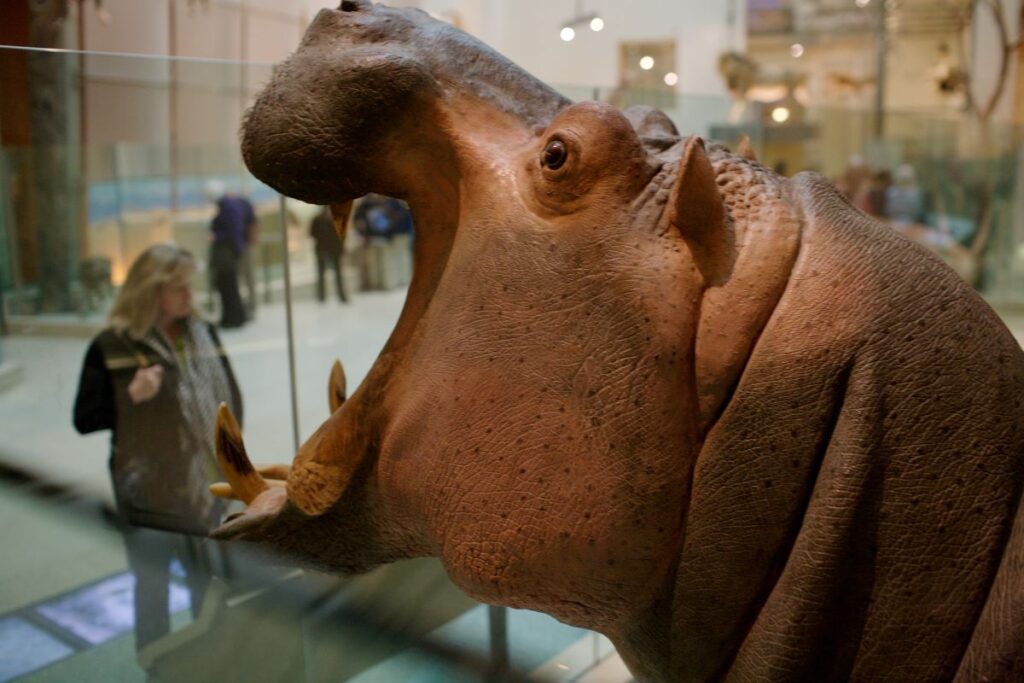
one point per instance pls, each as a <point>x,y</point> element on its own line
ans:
<point>374,96</point>
<point>384,100</point>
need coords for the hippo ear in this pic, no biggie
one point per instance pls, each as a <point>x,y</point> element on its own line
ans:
<point>336,386</point>
<point>745,149</point>
<point>697,211</point>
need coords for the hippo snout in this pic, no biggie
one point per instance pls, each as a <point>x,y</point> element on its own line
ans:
<point>318,132</point>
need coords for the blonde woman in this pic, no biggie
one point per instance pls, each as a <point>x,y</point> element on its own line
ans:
<point>154,378</point>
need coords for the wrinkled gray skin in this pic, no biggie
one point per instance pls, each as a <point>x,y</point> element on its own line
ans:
<point>657,391</point>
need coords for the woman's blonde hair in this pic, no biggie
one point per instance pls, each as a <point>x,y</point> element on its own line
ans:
<point>137,305</point>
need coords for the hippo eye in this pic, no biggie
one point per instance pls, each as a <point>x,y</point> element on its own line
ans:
<point>554,155</point>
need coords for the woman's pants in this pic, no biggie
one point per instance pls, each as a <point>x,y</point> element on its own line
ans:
<point>150,553</point>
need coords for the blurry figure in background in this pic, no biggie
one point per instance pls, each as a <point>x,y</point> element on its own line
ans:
<point>229,229</point>
<point>854,181</point>
<point>374,220</point>
<point>905,200</point>
<point>875,198</point>
<point>950,77</point>
<point>94,273</point>
<point>329,247</point>
<point>155,378</point>
<point>246,265</point>
<point>403,234</point>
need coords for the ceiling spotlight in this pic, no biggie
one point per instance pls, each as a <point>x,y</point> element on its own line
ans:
<point>797,50</point>
<point>647,62</point>
<point>863,3</point>
<point>591,19</point>
<point>671,78</point>
<point>780,115</point>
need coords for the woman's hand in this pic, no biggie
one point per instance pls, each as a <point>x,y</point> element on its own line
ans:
<point>146,383</point>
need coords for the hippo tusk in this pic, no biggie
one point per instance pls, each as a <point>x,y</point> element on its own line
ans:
<point>245,482</point>
<point>340,214</point>
<point>223,489</point>
<point>336,386</point>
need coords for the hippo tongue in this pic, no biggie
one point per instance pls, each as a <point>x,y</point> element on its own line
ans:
<point>373,100</point>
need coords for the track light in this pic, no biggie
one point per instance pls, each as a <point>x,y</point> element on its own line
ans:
<point>591,19</point>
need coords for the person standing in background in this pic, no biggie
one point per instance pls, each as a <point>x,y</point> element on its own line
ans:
<point>877,194</point>
<point>905,199</point>
<point>329,247</point>
<point>228,229</point>
<point>374,221</point>
<point>155,378</point>
<point>246,261</point>
<point>854,180</point>
<point>403,235</point>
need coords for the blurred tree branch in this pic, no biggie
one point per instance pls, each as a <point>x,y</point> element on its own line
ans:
<point>1008,46</point>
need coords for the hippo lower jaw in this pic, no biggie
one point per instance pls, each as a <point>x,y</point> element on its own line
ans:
<point>241,526</point>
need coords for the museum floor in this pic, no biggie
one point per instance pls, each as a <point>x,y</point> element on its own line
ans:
<point>58,549</point>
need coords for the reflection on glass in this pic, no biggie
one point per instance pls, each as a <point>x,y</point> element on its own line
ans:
<point>134,171</point>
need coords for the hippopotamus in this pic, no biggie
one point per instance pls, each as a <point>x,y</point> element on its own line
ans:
<point>642,383</point>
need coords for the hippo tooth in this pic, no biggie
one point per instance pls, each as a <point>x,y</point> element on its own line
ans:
<point>245,482</point>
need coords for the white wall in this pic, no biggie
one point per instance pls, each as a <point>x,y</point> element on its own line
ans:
<point>128,98</point>
<point>254,30</point>
<point>527,33</point>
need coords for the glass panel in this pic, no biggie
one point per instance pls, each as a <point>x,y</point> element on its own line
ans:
<point>110,155</point>
<point>102,588</point>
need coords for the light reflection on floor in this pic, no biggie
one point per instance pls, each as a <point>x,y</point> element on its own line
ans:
<point>103,610</point>
<point>86,617</point>
<point>25,648</point>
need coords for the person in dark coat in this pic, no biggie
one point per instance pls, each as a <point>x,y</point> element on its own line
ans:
<point>155,378</point>
<point>329,246</point>
<point>229,232</point>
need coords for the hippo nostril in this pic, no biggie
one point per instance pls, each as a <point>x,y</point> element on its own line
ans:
<point>350,6</point>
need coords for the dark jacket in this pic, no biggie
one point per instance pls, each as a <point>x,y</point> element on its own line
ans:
<point>150,473</point>
<point>325,237</point>
<point>233,222</point>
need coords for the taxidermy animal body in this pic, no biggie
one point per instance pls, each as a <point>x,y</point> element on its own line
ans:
<point>643,384</point>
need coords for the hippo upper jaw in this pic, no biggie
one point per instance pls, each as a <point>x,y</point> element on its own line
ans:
<point>372,101</point>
